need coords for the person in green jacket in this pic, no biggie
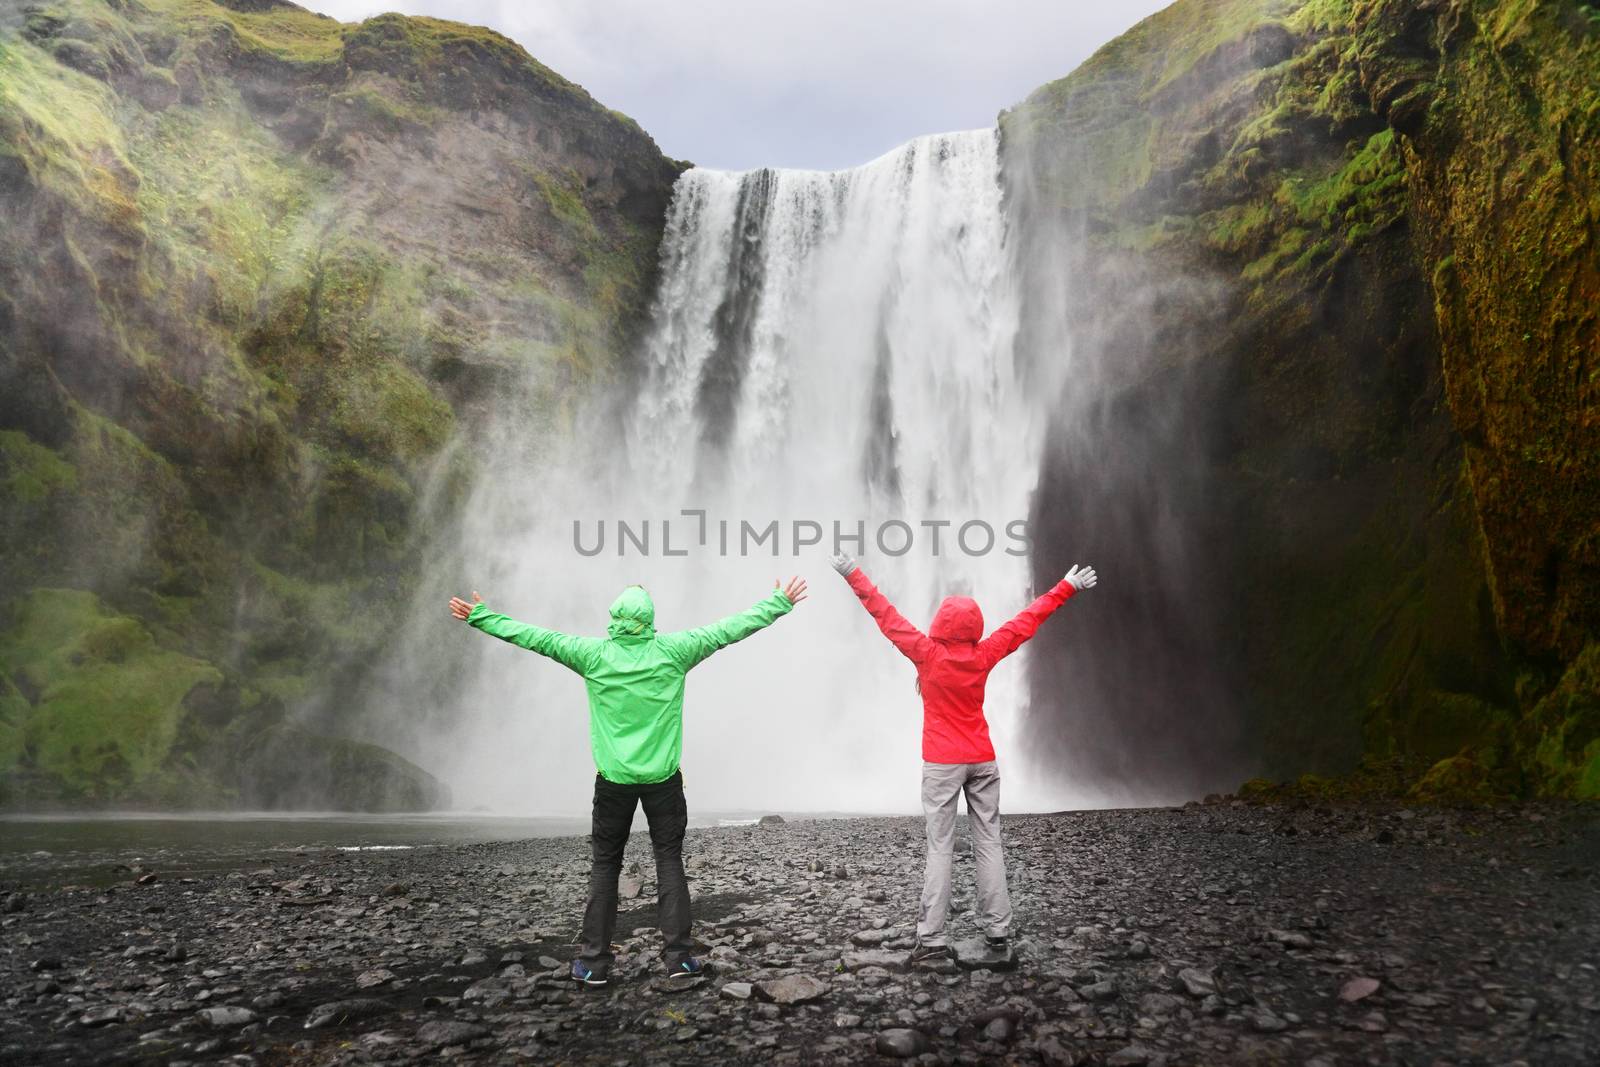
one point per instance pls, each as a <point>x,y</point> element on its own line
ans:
<point>635,679</point>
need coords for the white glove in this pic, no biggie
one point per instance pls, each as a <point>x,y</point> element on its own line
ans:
<point>1082,577</point>
<point>842,563</point>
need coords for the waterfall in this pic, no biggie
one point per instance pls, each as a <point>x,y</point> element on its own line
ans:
<point>824,347</point>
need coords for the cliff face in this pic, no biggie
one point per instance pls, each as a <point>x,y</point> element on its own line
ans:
<point>257,268</point>
<point>1338,262</point>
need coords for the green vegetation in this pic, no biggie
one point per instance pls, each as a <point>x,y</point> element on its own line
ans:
<point>106,704</point>
<point>254,262</point>
<point>1395,209</point>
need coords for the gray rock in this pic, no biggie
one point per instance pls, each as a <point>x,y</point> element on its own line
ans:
<point>1265,1022</point>
<point>442,1033</point>
<point>770,820</point>
<point>226,1016</point>
<point>1055,1054</point>
<point>14,903</point>
<point>101,1016</point>
<point>375,977</point>
<point>1099,991</point>
<point>901,1042</point>
<point>1159,1005</point>
<point>870,938</point>
<point>736,990</point>
<point>877,957</point>
<point>792,989</point>
<point>338,1012</point>
<point>673,986</point>
<point>1358,989</point>
<point>1000,1028</point>
<point>1130,1056</point>
<point>1197,983</point>
<point>975,953</point>
<point>1290,938</point>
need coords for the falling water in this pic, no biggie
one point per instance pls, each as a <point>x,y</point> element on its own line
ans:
<point>824,347</point>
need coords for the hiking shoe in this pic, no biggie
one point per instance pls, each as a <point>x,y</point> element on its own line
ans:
<point>997,944</point>
<point>688,967</point>
<point>923,953</point>
<point>582,972</point>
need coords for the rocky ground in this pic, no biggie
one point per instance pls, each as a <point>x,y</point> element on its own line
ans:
<point>1210,934</point>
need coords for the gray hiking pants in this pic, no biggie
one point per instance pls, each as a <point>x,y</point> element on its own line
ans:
<point>942,783</point>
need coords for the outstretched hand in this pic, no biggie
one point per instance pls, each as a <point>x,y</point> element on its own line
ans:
<point>795,590</point>
<point>461,609</point>
<point>1082,577</point>
<point>842,563</point>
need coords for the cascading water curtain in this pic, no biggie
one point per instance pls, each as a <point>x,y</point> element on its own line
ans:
<point>825,347</point>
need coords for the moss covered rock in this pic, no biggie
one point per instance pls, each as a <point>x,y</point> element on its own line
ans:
<point>1336,263</point>
<point>258,269</point>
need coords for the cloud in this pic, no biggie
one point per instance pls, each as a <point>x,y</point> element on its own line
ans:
<point>748,83</point>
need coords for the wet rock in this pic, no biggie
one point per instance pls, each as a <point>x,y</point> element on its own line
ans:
<point>1054,1054</point>
<point>888,960</point>
<point>771,820</point>
<point>339,1012</point>
<point>673,986</point>
<point>1358,989</point>
<point>45,963</point>
<point>1290,938</point>
<point>870,938</point>
<point>1196,982</point>
<point>1130,1056</point>
<point>974,954</point>
<point>792,989</point>
<point>1159,1005</point>
<point>901,1042</point>
<point>377,976</point>
<point>226,1016</point>
<point>101,1016</point>
<point>14,903</point>
<point>442,1033</point>
<point>1265,1022</point>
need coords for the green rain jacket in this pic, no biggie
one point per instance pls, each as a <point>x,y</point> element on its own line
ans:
<point>635,676</point>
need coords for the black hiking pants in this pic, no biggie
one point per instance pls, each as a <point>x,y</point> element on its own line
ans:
<point>668,815</point>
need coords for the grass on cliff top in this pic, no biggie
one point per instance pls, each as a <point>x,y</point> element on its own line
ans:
<point>288,33</point>
<point>107,699</point>
<point>1164,47</point>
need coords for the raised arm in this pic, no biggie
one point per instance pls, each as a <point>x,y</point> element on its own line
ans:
<point>689,647</point>
<point>576,653</point>
<point>1010,637</point>
<point>912,642</point>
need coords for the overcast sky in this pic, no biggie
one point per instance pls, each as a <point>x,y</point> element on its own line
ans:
<point>748,83</point>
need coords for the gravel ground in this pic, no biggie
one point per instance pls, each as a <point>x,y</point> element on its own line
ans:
<point>1215,933</point>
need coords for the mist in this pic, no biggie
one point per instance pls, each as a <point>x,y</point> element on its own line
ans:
<point>824,347</point>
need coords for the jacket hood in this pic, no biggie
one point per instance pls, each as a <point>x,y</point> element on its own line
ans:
<point>958,619</point>
<point>633,614</point>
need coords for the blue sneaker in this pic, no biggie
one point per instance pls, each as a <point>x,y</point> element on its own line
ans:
<point>582,972</point>
<point>688,967</point>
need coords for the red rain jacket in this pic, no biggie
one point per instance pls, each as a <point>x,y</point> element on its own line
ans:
<point>953,664</point>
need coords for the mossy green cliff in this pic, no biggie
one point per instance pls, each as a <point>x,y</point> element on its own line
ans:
<point>1340,259</point>
<point>260,273</point>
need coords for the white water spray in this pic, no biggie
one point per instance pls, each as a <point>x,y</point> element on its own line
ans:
<point>825,347</point>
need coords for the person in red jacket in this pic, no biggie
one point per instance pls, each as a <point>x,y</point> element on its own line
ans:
<point>953,661</point>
